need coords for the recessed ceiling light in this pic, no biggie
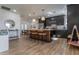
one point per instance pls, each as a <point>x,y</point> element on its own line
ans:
<point>14,10</point>
<point>50,13</point>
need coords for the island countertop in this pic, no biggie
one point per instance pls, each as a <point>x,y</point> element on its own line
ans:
<point>41,29</point>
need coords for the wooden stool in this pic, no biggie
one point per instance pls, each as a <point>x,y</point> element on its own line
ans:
<point>34,34</point>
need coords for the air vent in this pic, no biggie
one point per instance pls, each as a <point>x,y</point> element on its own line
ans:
<point>6,8</point>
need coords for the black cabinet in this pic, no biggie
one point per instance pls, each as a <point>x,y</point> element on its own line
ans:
<point>58,20</point>
<point>62,33</point>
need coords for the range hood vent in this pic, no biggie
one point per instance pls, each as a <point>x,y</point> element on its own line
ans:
<point>5,8</point>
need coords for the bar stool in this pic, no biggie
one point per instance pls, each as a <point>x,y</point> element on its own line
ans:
<point>40,35</point>
<point>34,34</point>
<point>46,36</point>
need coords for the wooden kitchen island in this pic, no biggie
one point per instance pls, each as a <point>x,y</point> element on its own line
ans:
<point>41,34</point>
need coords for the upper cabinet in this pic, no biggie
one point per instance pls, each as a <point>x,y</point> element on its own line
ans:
<point>58,20</point>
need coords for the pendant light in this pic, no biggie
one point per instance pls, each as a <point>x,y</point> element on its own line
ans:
<point>34,20</point>
<point>43,18</point>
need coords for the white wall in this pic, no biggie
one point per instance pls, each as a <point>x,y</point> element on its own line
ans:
<point>7,15</point>
<point>29,23</point>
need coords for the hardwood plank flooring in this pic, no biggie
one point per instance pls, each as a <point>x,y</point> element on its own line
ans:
<point>26,46</point>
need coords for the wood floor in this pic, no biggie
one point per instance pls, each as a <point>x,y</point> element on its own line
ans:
<point>25,46</point>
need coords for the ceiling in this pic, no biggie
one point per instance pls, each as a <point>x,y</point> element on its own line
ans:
<point>35,10</point>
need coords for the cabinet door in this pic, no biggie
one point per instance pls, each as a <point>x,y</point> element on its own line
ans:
<point>4,43</point>
<point>13,33</point>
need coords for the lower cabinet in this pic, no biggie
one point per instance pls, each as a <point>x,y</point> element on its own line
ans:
<point>13,34</point>
<point>4,43</point>
<point>61,33</point>
<point>46,35</point>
